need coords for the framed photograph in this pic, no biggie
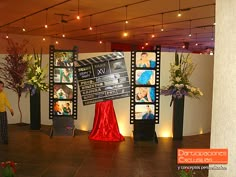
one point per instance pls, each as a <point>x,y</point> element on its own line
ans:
<point>63,75</point>
<point>145,94</point>
<point>62,108</point>
<point>144,111</point>
<point>145,77</point>
<point>64,59</point>
<point>145,59</point>
<point>63,91</point>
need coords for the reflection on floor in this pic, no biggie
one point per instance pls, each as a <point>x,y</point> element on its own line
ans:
<point>38,155</point>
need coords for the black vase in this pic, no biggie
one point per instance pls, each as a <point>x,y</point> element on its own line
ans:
<point>178,118</point>
<point>35,113</point>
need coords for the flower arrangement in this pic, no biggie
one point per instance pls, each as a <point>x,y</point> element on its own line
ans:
<point>180,72</point>
<point>35,75</point>
<point>8,168</point>
<point>185,173</point>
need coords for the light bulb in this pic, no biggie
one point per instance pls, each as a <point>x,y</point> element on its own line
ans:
<point>190,35</point>
<point>44,39</point>
<point>23,29</point>
<point>78,17</point>
<point>45,26</point>
<point>196,44</point>
<point>153,35</point>
<point>126,22</point>
<point>90,28</point>
<point>179,14</point>
<point>125,34</point>
<point>63,35</point>
<point>142,47</point>
<point>183,46</point>
<point>57,42</point>
<point>146,43</point>
<point>162,29</point>
<point>7,36</point>
<point>100,42</point>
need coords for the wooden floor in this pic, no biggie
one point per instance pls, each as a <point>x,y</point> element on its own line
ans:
<point>38,155</point>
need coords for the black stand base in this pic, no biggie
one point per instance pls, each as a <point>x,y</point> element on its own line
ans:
<point>178,119</point>
<point>35,112</point>
<point>144,130</point>
<point>63,126</point>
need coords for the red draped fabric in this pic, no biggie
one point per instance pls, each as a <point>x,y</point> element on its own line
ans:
<point>105,127</point>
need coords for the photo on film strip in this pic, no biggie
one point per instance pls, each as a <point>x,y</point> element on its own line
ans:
<point>63,91</point>
<point>145,85</point>
<point>63,59</point>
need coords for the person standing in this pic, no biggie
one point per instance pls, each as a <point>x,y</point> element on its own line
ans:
<point>3,114</point>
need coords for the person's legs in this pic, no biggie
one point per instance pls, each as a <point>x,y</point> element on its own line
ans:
<point>3,127</point>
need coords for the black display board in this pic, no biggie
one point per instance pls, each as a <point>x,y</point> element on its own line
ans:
<point>145,92</point>
<point>103,78</point>
<point>62,90</point>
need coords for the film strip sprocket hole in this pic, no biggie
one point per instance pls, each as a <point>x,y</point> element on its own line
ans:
<point>62,83</point>
<point>145,85</point>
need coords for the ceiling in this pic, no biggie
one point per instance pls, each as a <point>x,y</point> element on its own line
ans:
<point>107,18</point>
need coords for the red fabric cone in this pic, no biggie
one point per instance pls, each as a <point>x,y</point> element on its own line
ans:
<point>105,127</point>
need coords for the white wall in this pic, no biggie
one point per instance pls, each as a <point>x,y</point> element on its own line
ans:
<point>197,115</point>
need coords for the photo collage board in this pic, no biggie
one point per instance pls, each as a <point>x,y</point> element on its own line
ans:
<point>103,78</point>
<point>145,85</point>
<point>63,83</point>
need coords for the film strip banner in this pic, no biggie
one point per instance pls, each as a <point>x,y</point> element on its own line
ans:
<point>62,83</point>
<point>145,85</point>
<point>103,78</point>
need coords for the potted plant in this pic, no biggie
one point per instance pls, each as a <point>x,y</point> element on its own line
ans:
<point>8,169</point>
<point>180,86</point>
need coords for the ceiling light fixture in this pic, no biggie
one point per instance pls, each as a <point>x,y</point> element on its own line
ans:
<point>212,34</point>
<point>179,13</point>
<point>214,15</point>
<point>153,31</point>
<point>162,25</point>
<point>90,23</point>
<point>23,28</point>
<point>125,34</point>
<point>46,19</point>
<point>78,16</point>
<point>190,28</point>
<point>196,44</point>
<point>126,12</point>
<point>63,34</point>
<point>44,39</point>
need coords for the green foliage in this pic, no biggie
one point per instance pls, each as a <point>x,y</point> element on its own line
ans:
<point>36,75</point>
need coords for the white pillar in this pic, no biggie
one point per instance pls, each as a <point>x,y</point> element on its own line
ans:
<point>223,128</point>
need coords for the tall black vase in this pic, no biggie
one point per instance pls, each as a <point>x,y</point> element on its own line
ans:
<point>178,118</point>
<point>35,113</point>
